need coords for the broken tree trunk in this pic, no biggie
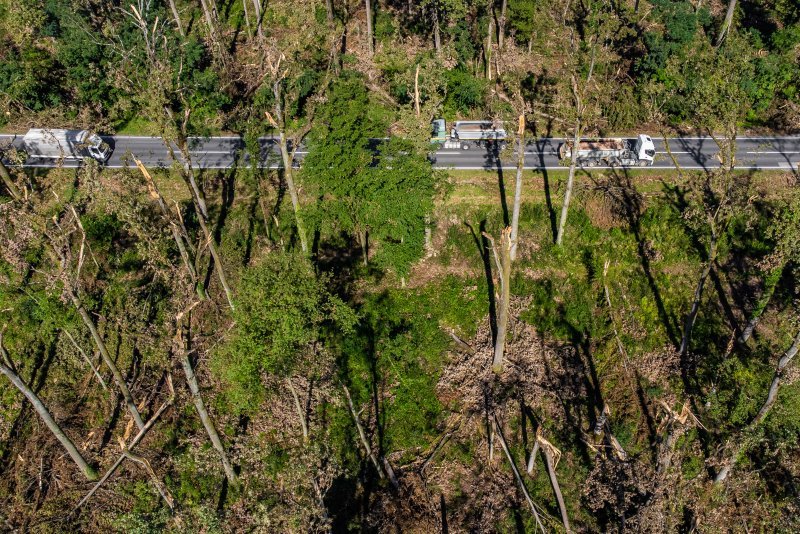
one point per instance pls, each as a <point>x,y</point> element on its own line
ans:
<point>726,24</point>
<point>177,17</point>
<point>551,455</point>
<point>101,346</point>
<point>368,4</point>
<point>86,359</point>
<point>135,441</point>
<point>365,442</point>
<point>155,194</point>
<point>6,368</point>
<point>503,263</point>
<point>517,476</point>
<point>416,90</point>
<point>299,408</point>
<point>200,207</point>
<point>200,406</point>
<point>518,184</point>
<point>9,182</point>
<point>772,396</point>
<point>562,222</point>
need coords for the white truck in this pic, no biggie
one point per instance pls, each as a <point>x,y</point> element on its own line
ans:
<point>60,144</point>
<point>469,134</point>
<point>639,152</point>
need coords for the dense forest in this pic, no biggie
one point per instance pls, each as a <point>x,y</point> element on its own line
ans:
<point>365,342</point>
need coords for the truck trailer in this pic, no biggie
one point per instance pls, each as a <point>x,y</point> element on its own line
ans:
<point>610,152</point>
<point>65,144</point>
<point>469,134</point>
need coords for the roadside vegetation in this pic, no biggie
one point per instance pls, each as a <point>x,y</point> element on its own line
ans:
<point>366,343</point>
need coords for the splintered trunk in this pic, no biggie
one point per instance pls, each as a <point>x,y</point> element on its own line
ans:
<point>518,184</point>
<point>570,181</point>
<point>726,24</point>
<point>101,346</point>
<point>208,424</point>
<point>41,410</point>
<point>9,182</point>
<point>177,17</point>
<point>698,296</point>
<point>772,396</point>
<point>368,4</point>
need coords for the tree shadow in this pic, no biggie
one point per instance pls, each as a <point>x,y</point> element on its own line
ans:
<point>484,249</point>
<point>630,205</point>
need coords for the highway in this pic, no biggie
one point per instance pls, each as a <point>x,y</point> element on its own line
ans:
<point>766,153</point>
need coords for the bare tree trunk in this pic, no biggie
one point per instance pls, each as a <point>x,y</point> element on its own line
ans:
<point>368,4</point>
<point>329,9</point>
<point>135,441</point>
<point>517,476</point>
<point>177,17</point>
<point>259,16</point>
<point>570,181</point>
<point>288,171</point>
<point>518,184</point>
<point>726,24</point>
<point>698,296</point>
<point>772,396</point>
<point>437,36</point>
<point>247,18</point>
<point>501,25</point>
<point>86,359</point>
<point>101,346</point>
<point>361,433</point>
<point>209,18</point>
<point>6,369</point>
<point>8,181</point>
<point>155,194</point>
<point>503,263</point>
<point>200,206</point>
<point>416,90</point>
<point>551,472</point>
<point>200,406</point>
<point>489,32</point>
<point>299,408</point>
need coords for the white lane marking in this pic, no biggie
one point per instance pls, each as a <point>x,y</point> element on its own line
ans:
<point>773,152</point>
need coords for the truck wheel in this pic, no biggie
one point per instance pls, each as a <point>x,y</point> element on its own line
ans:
<point>464,146</point>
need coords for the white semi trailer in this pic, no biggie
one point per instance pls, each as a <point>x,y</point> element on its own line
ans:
<point>65,145</point>
<point>610,152</point>
<point>469,134</point>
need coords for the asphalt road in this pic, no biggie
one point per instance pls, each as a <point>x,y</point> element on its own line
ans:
<point>776,153</point>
